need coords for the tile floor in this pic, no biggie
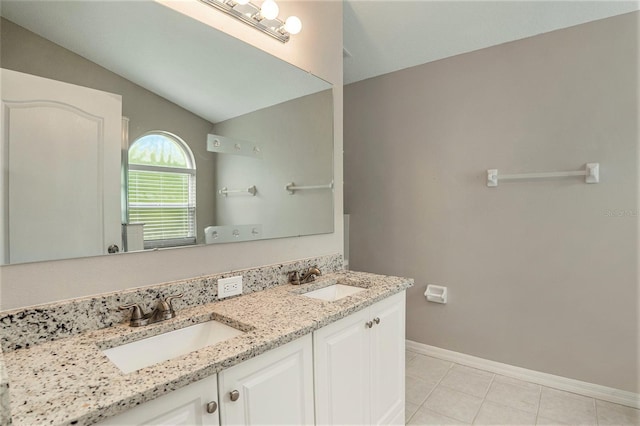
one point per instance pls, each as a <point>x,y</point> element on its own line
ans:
<point>444,393</point>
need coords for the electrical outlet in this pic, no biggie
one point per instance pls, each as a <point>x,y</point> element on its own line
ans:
<point>229,286</point>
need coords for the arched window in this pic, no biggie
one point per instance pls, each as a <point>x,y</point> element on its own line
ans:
<point>161,190</point>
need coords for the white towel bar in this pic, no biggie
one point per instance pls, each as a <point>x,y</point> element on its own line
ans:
<point>250,190</point>
<point>292,188</point>
<point>591,173</point>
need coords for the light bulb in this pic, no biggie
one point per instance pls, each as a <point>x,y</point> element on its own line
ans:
<point>269,9</point>
<point>293,25</point>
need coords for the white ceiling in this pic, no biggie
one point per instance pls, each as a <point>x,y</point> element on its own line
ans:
<point>218,77</point>
<point>183,60</point>
<point>389,35</point>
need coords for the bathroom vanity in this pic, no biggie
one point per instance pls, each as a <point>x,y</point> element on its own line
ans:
<point>273,388</point>
<point>298,358</point>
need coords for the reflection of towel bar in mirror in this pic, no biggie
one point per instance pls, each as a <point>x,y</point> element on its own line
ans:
<point>250,190</point>
<point>248,126</point>
<point>292,188</point>
<point>591,173</point>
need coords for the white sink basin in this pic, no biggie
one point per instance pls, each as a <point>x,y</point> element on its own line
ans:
<point>333,292</point>
<point>143,353</point>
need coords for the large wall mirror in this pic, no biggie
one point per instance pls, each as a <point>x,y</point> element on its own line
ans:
<point>128,126</point>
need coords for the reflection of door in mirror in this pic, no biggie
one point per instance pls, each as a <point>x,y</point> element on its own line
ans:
<point>57,135</point>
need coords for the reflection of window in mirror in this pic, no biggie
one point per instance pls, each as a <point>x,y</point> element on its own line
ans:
<point>161,190</point>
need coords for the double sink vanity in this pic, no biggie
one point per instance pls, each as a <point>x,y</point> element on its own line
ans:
<point>330,351</point>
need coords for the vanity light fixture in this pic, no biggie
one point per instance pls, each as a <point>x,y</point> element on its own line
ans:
<point>263,18</point>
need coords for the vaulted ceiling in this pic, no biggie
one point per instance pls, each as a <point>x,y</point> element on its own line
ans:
<point>380,36</point>
<point>203,70</point>
<point>389,35</point>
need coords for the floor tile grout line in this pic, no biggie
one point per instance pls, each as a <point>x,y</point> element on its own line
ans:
<point>594,419</point>
<point>508,407</point>
<point>419,405</point>
<point>432,389</point>
<point>406,421</point>
<point>539,404</point>
<point>415,355</point>
<point>493,376</point>
<point>494,379</point>
<point>484,399</point>
<point>513,382</point>
<point>451,364</point>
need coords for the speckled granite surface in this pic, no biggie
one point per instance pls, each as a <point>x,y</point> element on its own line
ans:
<point>70,381</point>
<point>22,328</point>
<point>5,409</point>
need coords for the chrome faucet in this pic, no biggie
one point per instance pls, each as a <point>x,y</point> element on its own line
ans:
<point>296,278</point>
<point>310,275</point>
<point>163,311</point>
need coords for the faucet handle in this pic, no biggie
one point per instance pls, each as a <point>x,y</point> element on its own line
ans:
<point>294,277</point>
<point>168,299</point>
<point>136,312</point>
<point>315,270</point>
<point>164,310</point>
<point>138,317</point>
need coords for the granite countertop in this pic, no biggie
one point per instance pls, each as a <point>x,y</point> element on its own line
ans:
<point>70,381</point>
<point>5,409</point>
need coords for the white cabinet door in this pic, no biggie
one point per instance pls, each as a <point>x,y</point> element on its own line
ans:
<point>387,361</point>
<point>341,370</point>
<point>186,406</point>
<point>275,388</point>
<point>359,367</point>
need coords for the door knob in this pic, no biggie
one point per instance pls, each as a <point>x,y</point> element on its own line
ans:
<point>212,407</point>
<point>369,324</point>
<point>376,320</point>
<point>234,395</point>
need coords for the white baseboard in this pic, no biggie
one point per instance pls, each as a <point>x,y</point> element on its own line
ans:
<point>592,390</point>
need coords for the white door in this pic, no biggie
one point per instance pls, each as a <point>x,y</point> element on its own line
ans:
<point>342,371</point>
<point>275,388</point>
<point>61,160</point>
<point>387,361</point>
<point>187,406</point>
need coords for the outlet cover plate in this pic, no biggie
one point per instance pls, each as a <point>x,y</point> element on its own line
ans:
<point>231,286</point>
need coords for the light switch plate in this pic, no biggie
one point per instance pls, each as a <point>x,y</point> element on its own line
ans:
<point>231,286</point>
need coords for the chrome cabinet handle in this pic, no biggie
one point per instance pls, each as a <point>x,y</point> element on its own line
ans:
<point>212,407</point>
<point>234,395</point>
<point>376,320</point>
<point>369,324</point>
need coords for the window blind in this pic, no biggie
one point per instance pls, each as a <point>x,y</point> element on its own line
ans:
<point>165,201</point>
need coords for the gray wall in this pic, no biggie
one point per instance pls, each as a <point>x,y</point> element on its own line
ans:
<point>296,141</point>
<point>27,52</point>
<point>541,274</point>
